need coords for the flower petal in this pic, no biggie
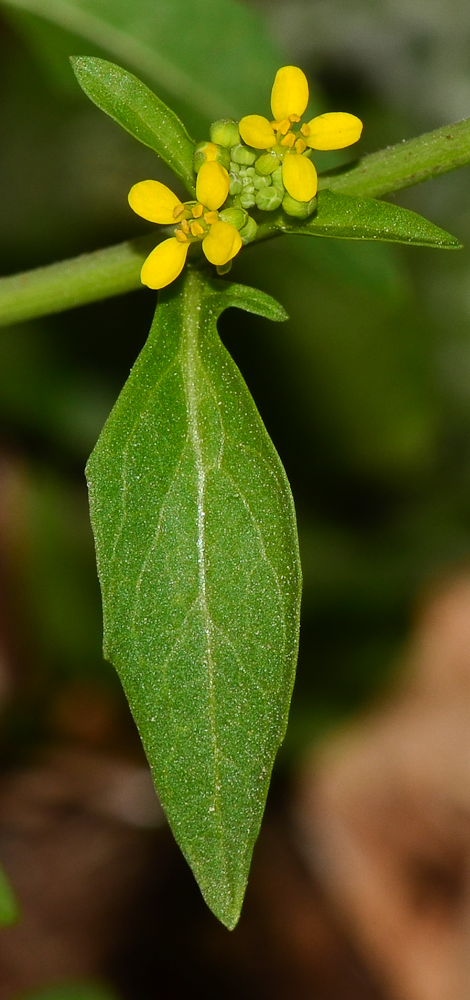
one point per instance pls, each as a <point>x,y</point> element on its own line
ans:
<point>222,242</point>
<point>256,131</point>
<point>334,130</point>
<point>289,95</point>
<point>299,177</point>
<point>155,202</point>
<point>212,185</point>
<point>164,264</point>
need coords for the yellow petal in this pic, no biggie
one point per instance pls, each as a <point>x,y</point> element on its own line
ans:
<point>154,201</point>
<point>164,264</point>
<point>256,131</point>
<point>212,185</point>
<point>222,242</point>
<point>299,176</point>
<point>334,130</point>
<point>289,95</point>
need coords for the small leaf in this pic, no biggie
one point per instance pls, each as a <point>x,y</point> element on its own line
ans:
<point>126,99</point>
<point>343,216</point>
<point>198,561</point>
<point>9,912</point>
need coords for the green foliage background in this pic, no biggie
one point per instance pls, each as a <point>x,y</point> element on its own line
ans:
<point>365,391</point>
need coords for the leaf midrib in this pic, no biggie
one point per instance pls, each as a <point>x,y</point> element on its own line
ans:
<point>190,364</point>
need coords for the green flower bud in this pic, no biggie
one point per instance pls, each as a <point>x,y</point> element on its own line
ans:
<point>247,199</point>
<point>299,209</point>
<point>247,182</point>
<point>225,132</point>
<point>276,178</point>
<point>249,231</point>
<point>210,151</point>
<point>267,163</point>
<point>234,167</point>
<point>236,216</point>
<point>268,199</point>
<point>260,181</point>
<point>241,154</point>
<point>235,186</point>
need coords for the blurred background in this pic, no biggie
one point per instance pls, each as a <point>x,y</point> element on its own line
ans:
<point>366,393</point>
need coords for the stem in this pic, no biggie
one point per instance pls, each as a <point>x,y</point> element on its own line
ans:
<point>117,269</point>
<point>87,278</point>
<point>405,164</point>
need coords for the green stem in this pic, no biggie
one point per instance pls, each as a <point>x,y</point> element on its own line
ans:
<point>405,164</point>
<point>117,269</point>
<point>75,282</point>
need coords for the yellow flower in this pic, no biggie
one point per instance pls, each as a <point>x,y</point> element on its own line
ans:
<point>289,99</point>
<point>195,222</point>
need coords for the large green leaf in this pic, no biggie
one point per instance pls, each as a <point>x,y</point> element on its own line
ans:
<point>215,56</point>
<point>126,99</point>
<point>198,562</point>
<point>346,217</point>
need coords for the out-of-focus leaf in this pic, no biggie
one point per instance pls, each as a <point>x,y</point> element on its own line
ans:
<point>198,562</point>
<point>214,55</point>
<point>126,99</point>
<point>71,991</point>
<point>9,911</point>
<point>346,217</point>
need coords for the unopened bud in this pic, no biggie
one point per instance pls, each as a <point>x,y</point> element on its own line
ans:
<point>260,181</point>
<point>235,185</point>
<point>247,198</point>
<point>236,216</point>
<point>241,154</point>
<point>206,151</point>
<point>267,163</point>
<point>276,178</point>
<point>268,199</point>
<point>225,132</point>
<point>298,209</point>
<point>249,231</point>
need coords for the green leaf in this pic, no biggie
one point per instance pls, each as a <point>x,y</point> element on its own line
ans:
<point>9,912</point>
<point>214,55</point>
<point>198,562</point>
<point>343,216</point>
<point>126,99</point>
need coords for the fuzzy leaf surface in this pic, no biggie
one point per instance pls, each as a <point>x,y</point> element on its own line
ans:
<point>130,103</point>
<point>346,217</point>
<point>198,562</point>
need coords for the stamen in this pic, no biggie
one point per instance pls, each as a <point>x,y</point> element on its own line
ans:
<point>196,229</point>
<point>288,140</point>
<point>305,130</point>
<point>181,237</point>
<point>185,226</point>
<point>300,146</point>
<point>294,118</point>
<point>211,217</point>
<point>197,211</point>
<point>177,211</point>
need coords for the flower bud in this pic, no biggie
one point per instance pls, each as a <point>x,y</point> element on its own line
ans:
<point>235,185</point>
<point>298,209</point>
<point>236,216</point>
<point>260,181</point>
<point>247,198</point>
<point>276,178</point>
<point>268,198</point>
<point>267,163</point>
<point>225,132</point>
<point>241,154</point>
<point>210,151</point>
<point>249,231</point>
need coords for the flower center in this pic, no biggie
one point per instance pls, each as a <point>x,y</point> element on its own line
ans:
<point>195,224</point>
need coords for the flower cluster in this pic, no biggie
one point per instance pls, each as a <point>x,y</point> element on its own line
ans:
<point>254,164</point>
